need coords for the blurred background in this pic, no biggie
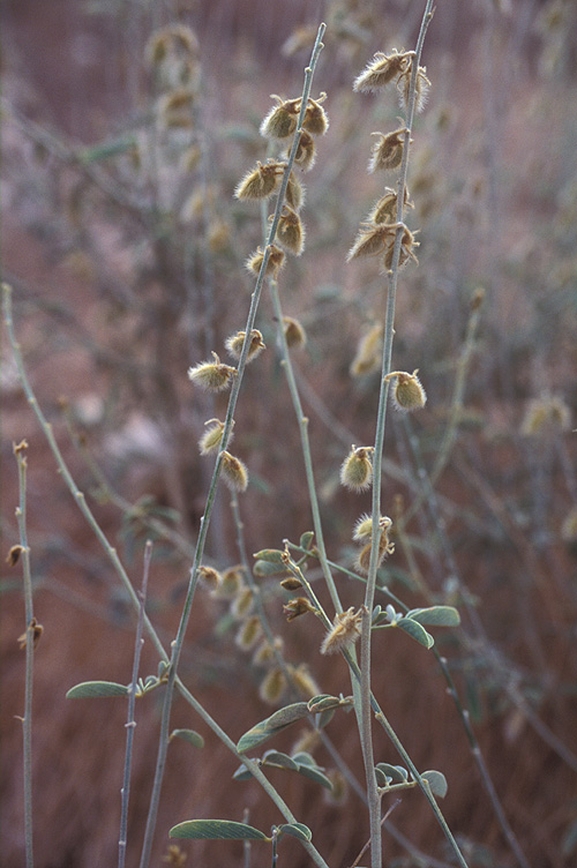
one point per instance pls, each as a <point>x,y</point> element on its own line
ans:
<point>125,128</point>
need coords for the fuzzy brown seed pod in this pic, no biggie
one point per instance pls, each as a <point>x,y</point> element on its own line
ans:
<point>212,376</point>
<point>210,577</point>
<point>422,86</point>
<point>275,262</point>
<point>175,109</point>
<point>281,121</point>
<point>306,152</point>
<point>546,415</point>
<point>363,529</point>
<point>373,239</point>
<point>249,633</point>
<point>291,231</point>
<point>368,357</point>
<point>296,607</point>
<point>382,70</point>
<point>212,437</point>
<point>316,121</point>
<point>234,472</point>
<point>345,631</point>
<point>295,193</point>
<point>262,181</point>
<point>273,687</point>
<point>295,334</point>
<point>387,151</point>
<point>357,468</point>
<point>408,393</point>
<point>386,547</point>
<point>234,344</point>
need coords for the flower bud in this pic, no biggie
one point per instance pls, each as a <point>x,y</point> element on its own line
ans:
<point>212,376</point>
<point>357,468</point>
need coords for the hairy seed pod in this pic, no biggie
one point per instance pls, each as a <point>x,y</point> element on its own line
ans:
<point>281,121</point>
<point>345,631</point>
<point>275,261</point>
<point>408,393</point>
<point>295,334</point>
<point>175,109</point>
<point>382,70</point>
<point>234,344</point>
<point>212,376</point>
<point>212,437</point>
<point>265,654</point>
<point>242,604</point>
<point>387,151</point>
<point>211,578</point>
<point>306,152</point>
<point>316,121</point>
<point>291,231</point>
<point>273,687</point>
<point>546,415</point>
<point>386,547</point>
<point>262,181</point>
<point>368,357</point>
<point>357,468</point>
<point>295,193</point>
<point>296,607</point>
<point>249,633</point>
<point>304,681</point>
<point>234,472</point>
<point>363,529</point>
<point>422,86</point>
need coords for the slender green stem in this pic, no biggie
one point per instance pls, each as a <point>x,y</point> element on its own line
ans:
<point>389,320</point>
<point>30,641</point>
<point>117,565</point>
<point>303,423</point>
<point>211,496</point>
<point>131,721</point>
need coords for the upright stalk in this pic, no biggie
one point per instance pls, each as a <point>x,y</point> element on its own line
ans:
<point>391,294</point>
<point>29,638</point>
<point>205,520</point>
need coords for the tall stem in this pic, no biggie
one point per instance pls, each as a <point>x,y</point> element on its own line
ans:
<point>391,295</point>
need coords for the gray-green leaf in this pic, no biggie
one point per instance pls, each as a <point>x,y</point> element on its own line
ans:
<point>91,689</point>
<point>188,735</point>
<point>273,724</point>
<point>217,830</point>
<point>436,616</point>
<point>416,632</point>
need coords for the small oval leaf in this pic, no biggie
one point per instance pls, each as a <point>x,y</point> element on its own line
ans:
<point>436,616</point>
<point>271,556</point>
<point>278,760</point>
<point>315,774</point>
<point>262,569</point>
<point>416,632</point>
<point>273,724</point>
<point>242,774</point>
<point>188,735</point>
<point>91,689</point>
<point>217,830</point>
<point>306,539</point>
<point>397,774</point>
<point>297,830</point>
<point>437,782</point>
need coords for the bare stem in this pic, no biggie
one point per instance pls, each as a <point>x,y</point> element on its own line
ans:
<point>30,641</point>
<point>131,720</point>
